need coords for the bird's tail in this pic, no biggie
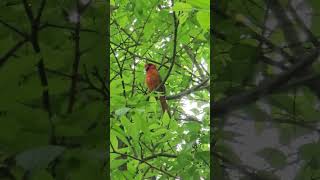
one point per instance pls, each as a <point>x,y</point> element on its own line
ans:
<point>164,105</point>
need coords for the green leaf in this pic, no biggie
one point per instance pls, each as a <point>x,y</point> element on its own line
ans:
<point>242,52</point>
<point>274,157</point>
<point>112,3</point>
<point>165,119</point>
<point>160,132</point>
<point>184,159</point>
<point>227,152</point>
<point>309,151</point>
<point>122,111</point>
<point>38,158</point>
<point>125,122</point>
<point>204,19</point>
<point>41,175</point>
<point>267,175</point>
<point>179,6</point>
<point>203,4</point>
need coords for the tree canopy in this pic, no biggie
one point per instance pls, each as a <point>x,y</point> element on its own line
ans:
<point>53,89</point>
<point>175,37</point>
<point>266,89</point>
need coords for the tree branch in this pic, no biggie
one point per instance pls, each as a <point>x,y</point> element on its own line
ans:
<point>265,87</point>
<point>143,161</point>
<point>11,52</point>
<point>34,30</point>
<point>188,91</point>
<point>310,35</point>
<point>57,26</point>
<point>244,169</point>
<point>40,11</point>
<point>194,60</point>
<point>28,10</point>
<point>175,29</point>
<point>160,155</point>
<point>13,28</point>
<point>76,62</point>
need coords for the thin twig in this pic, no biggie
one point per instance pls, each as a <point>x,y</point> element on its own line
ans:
<point>11,52</point>
<point>175,32</point>
<point>142,161</point>
<point>76,62</point>
<point>189,91</point>
<point>13,28</point>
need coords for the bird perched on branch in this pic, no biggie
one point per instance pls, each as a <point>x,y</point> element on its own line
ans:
<point>153,80</point>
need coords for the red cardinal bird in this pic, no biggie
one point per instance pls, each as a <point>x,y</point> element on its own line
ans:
<point>153,80</point>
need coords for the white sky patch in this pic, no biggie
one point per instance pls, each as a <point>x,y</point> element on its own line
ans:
<point>258,78</point>
<point>133,22</point>
<point>204,64</point>
<point>276,70</point>
<point>194,69</point>
<point>264,106</point>
<point>85,2</point>
<point>188,105</point>
<point>317,105</point>
<point>179,146</point>
<point>157,46</point>
<point>160,44</point>
<point>74,16</point>
<point>136,60</point>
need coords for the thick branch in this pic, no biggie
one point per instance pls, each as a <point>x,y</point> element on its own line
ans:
<point>35,27</point>
<point>266,87</point>
<point>28,10</point>
<point>289,30</point>
<point>40,11</point>
<point>304,27</point>
<point>160,155</point>
<point>76,62</point>
<point>244,169</point>
<point>292,37</point>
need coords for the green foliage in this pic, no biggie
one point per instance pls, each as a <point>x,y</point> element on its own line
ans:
<point>251,49</point>
<point>274,157</point>
<point>42,139</point>
<point>144,141</point>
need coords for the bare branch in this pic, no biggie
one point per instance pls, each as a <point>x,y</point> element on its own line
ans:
<point>174,51</point>
<point>11,52</point>
<point>194,60</point>
<point>143,161</point>
<point>265,87</point>
<point>13,28</point>
<point>76,62</point>
<point>202,85</point>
